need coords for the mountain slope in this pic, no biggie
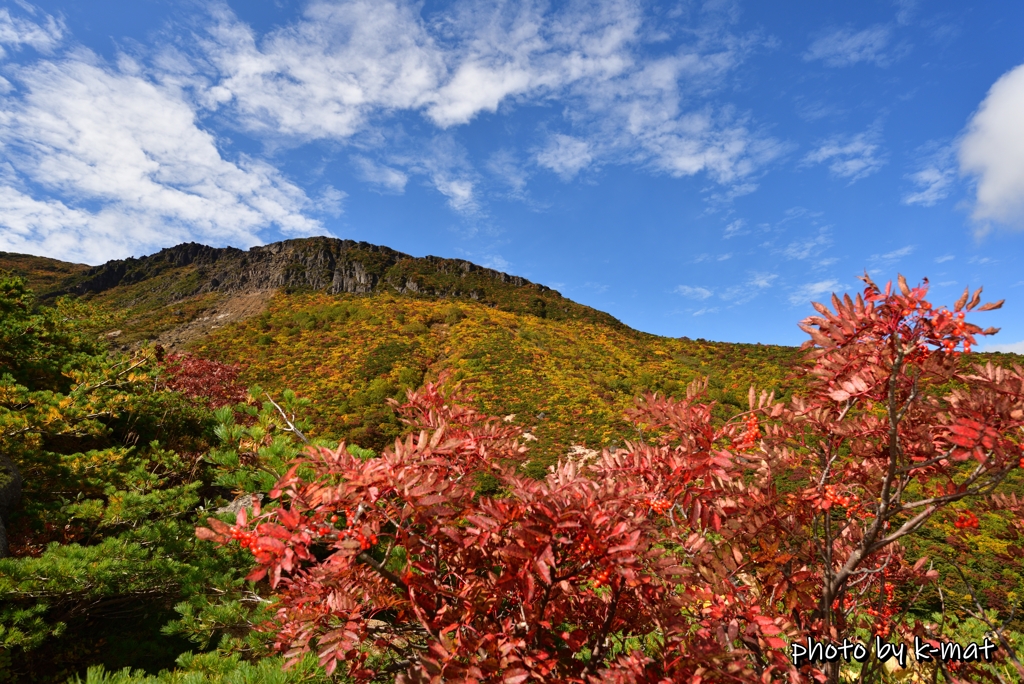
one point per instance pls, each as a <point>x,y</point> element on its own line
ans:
<point>190,286</point>
<point>351,324</point>
<point>567,381</point>
<point>42,274</point>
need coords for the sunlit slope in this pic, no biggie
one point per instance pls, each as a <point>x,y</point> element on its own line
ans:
<point>181,292</point>
<point>567,381</point>
<point>41,273</point>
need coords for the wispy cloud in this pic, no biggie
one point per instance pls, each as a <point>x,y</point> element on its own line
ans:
<point>735,228</point>
<point>756,282</point>
<point>934,178</point>
<point>816,110</point>
<point>905,11</point>
<point>323,76</point>
<point>886,261</point>
<point>331,201</point>
<point>853,157</point>
<point>809,291</point>
<point>694,292</point>
<point>507,168</point>
<point>846,47</point>
<point>44,35</point>
<point>1012,347</point>
<point>495,261</point>
<point>344,68</point>
<point>445,165</point>
<point>944,259</point>
<point>809,247</point>
<point>565,155</point>
<point>385,177</point>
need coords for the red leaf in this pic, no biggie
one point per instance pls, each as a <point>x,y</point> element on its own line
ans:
<point>256,575</point>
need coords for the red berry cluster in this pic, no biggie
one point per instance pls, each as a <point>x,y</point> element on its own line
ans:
<point>246,539</point>
<point>960,330</point>
<point>365,540</point>
<point>832,497</point>
<point>587,548</point>
<point>600,578</point>
<point>751,434</point>
<point>966,521</point>
<point>659,506</point>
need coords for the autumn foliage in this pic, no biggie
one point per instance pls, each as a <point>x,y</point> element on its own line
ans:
<point>696,555</point>
<point>211,382</point>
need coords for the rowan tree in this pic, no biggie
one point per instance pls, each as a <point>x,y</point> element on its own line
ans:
<point>895,429</point>
<point>696,555</point>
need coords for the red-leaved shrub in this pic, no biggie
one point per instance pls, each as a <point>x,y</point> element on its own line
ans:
<point>697,556</point>
<point>212,382</point>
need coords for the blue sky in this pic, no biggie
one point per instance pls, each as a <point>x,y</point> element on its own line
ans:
<point>700,169</point>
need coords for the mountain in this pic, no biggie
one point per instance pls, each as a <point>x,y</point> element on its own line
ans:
<point>168,291</point>
<point>350,324</point>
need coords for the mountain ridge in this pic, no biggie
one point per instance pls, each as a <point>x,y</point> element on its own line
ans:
<point>155,285</point>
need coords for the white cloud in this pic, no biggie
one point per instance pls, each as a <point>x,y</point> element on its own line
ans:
<point>445,164</point>
<point>386,177</point>
<point>934,184</point>
<point>906,9</point>
<point>944,259</point>
<point>816,110</point>
<point>810,247</point>
<point>565,155</point>
<point>807,292</point>
<point>346,66</point>
<point>762,280</point>
<point>1012,347</point>
<point>519,50</point>
<point>322,76</point>
<point>746,291</point>
<point>881,263</point>
<point>495,261</point>
<point>331,201</point>
<point>694,292</point>
<point>132,169</point>
<point>18,31</point>
<point>934,178</point>
<point>852,157</point>
<point>737,227</point>
<point>992,150</point>
<point>507,168</point>
<point>459,194</point>
<point>845,47</point>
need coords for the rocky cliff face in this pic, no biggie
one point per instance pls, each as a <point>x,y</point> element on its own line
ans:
<point>159,282</point>
<point>320,264</point>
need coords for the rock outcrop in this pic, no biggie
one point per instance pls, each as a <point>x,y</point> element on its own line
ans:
<point>318,264</point>
<point>321,264</point>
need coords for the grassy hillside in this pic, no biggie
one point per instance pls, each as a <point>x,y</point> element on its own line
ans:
<point>568,381</point>
<point>41,274</point>
<point>565,371</point>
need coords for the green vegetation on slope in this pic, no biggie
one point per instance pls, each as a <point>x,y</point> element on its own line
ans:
<point>116,472</point>
<point>567,381</point>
